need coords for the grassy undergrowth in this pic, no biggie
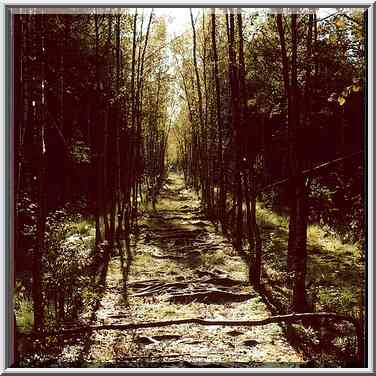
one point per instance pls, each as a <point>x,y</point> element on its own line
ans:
<point>24,314</point>
<point>335,269</point>
<point>334,282</point>
<point>70,241</point>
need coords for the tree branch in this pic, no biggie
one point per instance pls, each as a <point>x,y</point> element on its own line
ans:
<point>290,318</point>
<point>310,170</point>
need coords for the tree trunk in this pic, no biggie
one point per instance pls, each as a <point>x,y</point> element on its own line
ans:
<point>235,118</point>
<point>97,170</point>
<point>201,157</point>
<point>297,252</point>
<point>299,290</point>
<point>39,126</point>
<point>222,194</point>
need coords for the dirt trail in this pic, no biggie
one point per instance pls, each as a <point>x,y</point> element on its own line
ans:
<point>182,268</point>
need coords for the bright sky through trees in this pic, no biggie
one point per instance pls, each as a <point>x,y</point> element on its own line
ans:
<point>178,19</point>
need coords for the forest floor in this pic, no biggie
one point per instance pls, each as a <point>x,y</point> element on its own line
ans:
<point>182,268</point>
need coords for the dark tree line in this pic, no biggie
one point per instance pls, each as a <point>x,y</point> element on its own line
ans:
<point>281,113</point>
<point>90,130</point>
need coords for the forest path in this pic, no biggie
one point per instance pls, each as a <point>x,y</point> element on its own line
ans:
<point>183,268</point>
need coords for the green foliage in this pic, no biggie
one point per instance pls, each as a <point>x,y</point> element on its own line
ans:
<point>347,91</point>
<point>23,309</point>
<point>342,301</point>
<point>336,201</point>
<point>334,268</point>
<point>27,214</point>
<point>70,243</point>
<point>266,216</point>
<point>80,152</point>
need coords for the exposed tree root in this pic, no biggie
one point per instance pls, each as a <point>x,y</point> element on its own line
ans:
<point>177,257</point>
<point>211,296</point>
<point>176,236</point>
<point>142,283</point>
<point>154,287</point>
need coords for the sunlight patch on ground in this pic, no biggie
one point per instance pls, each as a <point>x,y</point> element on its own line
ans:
<point>335,269</point>
<point>255,345</point>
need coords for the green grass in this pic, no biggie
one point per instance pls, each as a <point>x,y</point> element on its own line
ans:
<point>84,227</point>
<point>257,305</point>
<point>24,315</point>
<point>334,279</point>
<point>317,236</point>
<point>266,217</point>
<point>335,269</point>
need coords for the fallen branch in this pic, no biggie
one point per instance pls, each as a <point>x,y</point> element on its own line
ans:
<point>288,319</point>
<point>310,171</point>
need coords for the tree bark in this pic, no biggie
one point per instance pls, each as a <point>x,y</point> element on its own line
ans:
<point>201,156</point>
<point>39,124</point>
<point>235,119</point>
<point>297,243</point>
<point>222,192</point>
<point>97,170</point>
